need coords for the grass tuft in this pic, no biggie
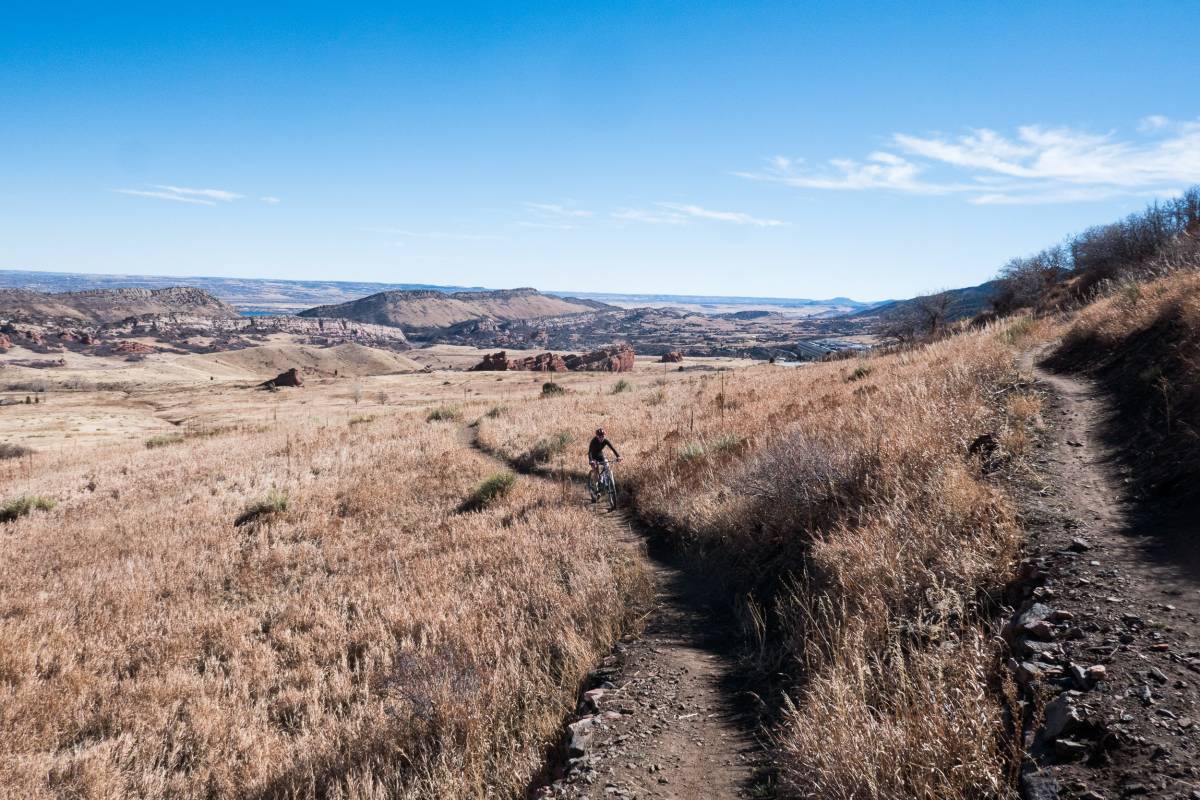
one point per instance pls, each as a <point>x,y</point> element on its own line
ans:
<point>493,488</point>
<point>164,440</point>
<point>274,503</point>
<point>443,414</point>
<point>547,448</point>
<point>22,506</point>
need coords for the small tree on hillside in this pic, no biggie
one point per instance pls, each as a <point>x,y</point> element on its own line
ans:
<point>933,310</point>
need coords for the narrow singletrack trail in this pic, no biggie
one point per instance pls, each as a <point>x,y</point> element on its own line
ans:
<point>673,724</point>
<point>1133,598</point>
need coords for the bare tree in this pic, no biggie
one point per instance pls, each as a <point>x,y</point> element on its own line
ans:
<point>934,311</point>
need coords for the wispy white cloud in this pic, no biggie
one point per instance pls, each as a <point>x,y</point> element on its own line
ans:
<point>554,226</point>
<point>1039,164</point>
<point>686,213</point>
<point>650,217</point>
<point>558,210</point>
<point>404,233</point>
<point>270,200</point>
<point>207,194</point>
<point>178,198</point>
<point>735,217</point>
<point>185,194</point>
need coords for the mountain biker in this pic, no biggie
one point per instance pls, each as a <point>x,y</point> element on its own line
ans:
<point>596,456</point>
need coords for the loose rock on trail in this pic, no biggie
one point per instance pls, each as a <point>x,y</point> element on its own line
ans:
<point>1109,636</point>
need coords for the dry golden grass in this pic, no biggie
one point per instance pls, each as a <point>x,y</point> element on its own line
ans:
<point>1143,342</point>
<point>839,505</point>
<point>360,638</point>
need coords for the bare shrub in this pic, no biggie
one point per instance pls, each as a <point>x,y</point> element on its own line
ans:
<point>9,450</point>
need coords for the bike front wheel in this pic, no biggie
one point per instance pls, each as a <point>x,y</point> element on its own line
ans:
<point>611,491</point>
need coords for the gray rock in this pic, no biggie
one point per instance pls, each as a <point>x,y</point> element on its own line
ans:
<point>1038,612</point>
<point>1069,749</point>
<point>1038,786</point>
<point>581,736</point>
<point>1061,717</point>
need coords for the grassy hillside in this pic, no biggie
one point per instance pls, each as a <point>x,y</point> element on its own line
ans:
<point>293,611</point>
<point>1143,342</point>
<point>267,361</point>
<point>840,508</point>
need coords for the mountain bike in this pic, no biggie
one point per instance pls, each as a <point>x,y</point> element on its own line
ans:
<point>604,485</point>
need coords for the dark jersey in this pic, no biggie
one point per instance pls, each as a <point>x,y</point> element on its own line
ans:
<point>596,448</point>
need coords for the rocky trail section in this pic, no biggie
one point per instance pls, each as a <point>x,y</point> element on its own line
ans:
<point>1106,643</point>
<point>663,715</point>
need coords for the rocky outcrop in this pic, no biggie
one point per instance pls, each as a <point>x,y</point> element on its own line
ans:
<point>495,362</point>
<point>499,361</point>
<point>133,348</point>
<point>289,377</point>
<point>673,357</point>
<point>618,359</point>
<point>546,362</point>
<point>5,343</point>
<point>80,337</point>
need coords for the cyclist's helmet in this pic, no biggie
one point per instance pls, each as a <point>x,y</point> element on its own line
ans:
<point>600,432</point>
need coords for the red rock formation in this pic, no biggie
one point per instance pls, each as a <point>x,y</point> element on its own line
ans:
<point>498,361</point>
<point>618,359</point>
<point>546,362</point>
<point>288,378</point>
<point>673,357</point>
<point>133,348</point>
<point>5,342</point>
<point>80,337</point>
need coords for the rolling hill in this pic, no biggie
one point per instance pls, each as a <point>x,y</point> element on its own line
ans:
<point>266,361</point>
<point>965,302</point>
<point>431,310</point>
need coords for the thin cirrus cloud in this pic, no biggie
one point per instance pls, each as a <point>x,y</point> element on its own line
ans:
<point>1038,164</point>
<point>568,211</point>
<point>187,194</point>
<point>685,213</point>
<point>404,235</point>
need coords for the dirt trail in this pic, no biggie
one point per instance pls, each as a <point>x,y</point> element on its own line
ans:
<point>668,721</point>
<point>1129,729</point>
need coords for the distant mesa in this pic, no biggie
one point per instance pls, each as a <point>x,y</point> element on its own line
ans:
<point>673,357</point>
<point>616,359</point>
<point>417,310</point>
<point>101,306</point>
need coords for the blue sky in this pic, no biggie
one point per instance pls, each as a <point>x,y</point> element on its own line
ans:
<point>778,149</point>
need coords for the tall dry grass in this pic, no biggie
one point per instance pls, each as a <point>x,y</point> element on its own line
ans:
<point>840,507</point>
<point>360,637</point>
<point>1143,341</point>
